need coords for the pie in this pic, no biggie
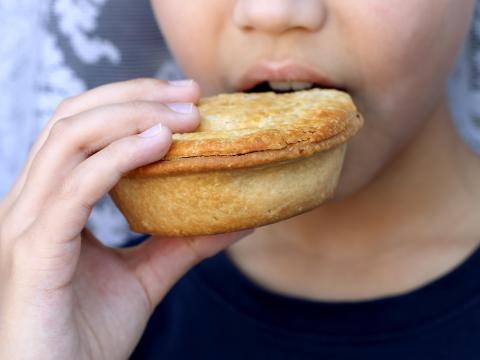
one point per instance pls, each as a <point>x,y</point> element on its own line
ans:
<point>255,159</point>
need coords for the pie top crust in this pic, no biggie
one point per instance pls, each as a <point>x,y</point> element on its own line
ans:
<point>247,129</point>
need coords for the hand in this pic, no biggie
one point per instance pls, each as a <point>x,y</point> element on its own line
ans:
<point>63,295</point>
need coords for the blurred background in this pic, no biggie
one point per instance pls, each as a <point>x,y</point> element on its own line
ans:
<point>52,49</point>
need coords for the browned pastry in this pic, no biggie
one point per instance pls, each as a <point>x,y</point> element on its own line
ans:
<point>255,159</point>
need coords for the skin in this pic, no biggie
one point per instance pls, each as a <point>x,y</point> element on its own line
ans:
<point>381,65</point>
<point>407,175</point>
<point>388,228</point>
<point>61,291</point>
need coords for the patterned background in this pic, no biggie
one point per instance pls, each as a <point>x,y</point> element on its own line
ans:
<point>51,49</point>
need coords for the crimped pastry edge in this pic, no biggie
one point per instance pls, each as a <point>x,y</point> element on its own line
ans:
<point>218,162</point>
<point>323,113</point>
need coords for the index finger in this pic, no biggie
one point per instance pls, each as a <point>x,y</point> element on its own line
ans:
<point>138,89</point>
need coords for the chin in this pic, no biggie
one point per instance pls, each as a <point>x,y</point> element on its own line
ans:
<point>353,179</point>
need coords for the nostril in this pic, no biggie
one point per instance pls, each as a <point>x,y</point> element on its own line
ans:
<point>279,16</point>
<point>248,28</point>
<point>262,15</point>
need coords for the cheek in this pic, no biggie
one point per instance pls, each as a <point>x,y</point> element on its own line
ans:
<point>408,45</point>
<point>192,30</point>
<point>404,52</point>
<point>401,55</point>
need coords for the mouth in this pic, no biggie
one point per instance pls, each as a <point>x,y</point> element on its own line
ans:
<point>283,78</point>
<point>281,87</point>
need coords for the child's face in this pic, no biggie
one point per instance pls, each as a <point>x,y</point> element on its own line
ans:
<point>392,56</point>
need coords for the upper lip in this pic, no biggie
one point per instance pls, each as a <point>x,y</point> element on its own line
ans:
<point>284,71</point>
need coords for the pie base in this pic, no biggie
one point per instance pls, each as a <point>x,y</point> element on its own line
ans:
<point>226,200</point>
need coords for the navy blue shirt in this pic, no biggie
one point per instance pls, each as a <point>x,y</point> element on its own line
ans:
<point>216,312</point>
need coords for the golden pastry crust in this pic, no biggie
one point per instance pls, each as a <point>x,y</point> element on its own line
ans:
<point>239,123</point>
<point>274,126</point>
<point>254,160</point>
<point>207,163</point>
<point>221,201</point>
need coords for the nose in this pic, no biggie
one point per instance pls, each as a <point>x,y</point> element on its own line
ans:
<point>279,16</point>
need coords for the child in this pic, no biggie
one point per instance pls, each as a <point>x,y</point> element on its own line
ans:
<point>387,269</point>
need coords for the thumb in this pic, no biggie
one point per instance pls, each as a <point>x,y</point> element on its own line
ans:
<point>159,262</point>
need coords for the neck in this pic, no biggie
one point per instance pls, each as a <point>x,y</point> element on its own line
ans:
<point>422,207</point>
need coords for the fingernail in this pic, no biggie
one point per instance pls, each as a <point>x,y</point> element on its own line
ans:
<point>182,108</point>
<point>186,82</point>
<point>153,131</point>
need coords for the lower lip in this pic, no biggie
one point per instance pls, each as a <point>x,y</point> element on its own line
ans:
<point>270,72</point>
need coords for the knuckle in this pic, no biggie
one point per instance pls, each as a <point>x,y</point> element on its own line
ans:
<point>142,110</point>
<point>61,129</point>
<point>145,86</point>
<point>65,108</point>
<point>69,187</point>
<point>9,226</point>
<point>120,155</point>
<point>73,191</point>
